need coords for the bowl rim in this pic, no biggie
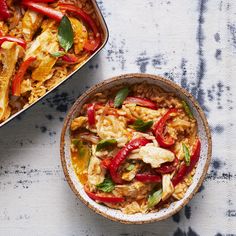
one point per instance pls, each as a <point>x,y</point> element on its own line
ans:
<point>167,82</point>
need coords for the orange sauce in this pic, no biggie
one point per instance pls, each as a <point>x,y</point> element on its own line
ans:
<point>80,163</point>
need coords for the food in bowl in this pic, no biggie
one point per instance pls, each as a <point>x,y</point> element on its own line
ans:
<point>135,148</point>
<point>41,42</point>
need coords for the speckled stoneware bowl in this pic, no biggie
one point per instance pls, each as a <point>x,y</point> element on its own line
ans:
<point>202,166</point>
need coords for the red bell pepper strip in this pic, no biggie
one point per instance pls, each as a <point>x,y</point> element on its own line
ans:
<point>110,103</point>
<point>42,1</point>
<point>141,102</point>
<point>16,82</point>
<point>148,178</point>
<point>4,12</point>
<point>90,45</point>
<point>21,42</point>
<point>184,169</point>
<point>91,114</point>
<point>167,168</point>
<point>164,140</point>
<point>104,199</point>
<point>70,58</point>
<point>105,163</point>
<point>122,155</point>
<point>43,9</point>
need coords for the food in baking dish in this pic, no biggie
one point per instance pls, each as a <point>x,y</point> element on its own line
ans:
<point>41,42</point>
<point>135,148</point>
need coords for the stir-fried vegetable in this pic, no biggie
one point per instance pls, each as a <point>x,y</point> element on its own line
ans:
<point>105,163</point>
<point>20,42</point>
<point>141,102</point>
<point>122,155</point>
<point>16,82</point>
<point>186,154</point>
<point>120,97</point>
<point>47,1</point>
<point>168,167</point>
<point>184,169</point>
<point>4,12</point>
<point>106,143</point>
<point>43,9</point>
<point>100,198</point>
<point>148,178</point>
<point>154,198</point>
<point>162,139</point>
<point>91,114</point>
<point>187,109</point>
<point>142,126</point>
<point>106,186</point>
<point>65,33</point>
<point>130,167</point>
<point>90,45</point>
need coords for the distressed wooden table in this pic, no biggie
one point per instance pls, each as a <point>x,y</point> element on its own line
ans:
<point>190,42</point>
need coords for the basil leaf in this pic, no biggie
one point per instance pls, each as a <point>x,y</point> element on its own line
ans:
<point>106,186</point>
<point>186,154</point>
<point>130,167</point>
<point>58,54</point>
<point>187,109</point>
<point>154,199</point>
<point>120,97</point>
<point>142,126</point>
<point>105,143</point>
<point>65,33</point>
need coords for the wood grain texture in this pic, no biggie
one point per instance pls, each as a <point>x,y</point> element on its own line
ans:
<point>190,42</point>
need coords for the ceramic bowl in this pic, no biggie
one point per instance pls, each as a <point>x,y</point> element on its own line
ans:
<point>202,166</point>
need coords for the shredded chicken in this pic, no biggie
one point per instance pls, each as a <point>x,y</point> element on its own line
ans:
<point>153,155</point>
<point>137,190</point>
<point>111,127</point>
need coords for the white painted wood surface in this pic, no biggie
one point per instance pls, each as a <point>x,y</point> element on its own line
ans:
<point>190,42</point>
